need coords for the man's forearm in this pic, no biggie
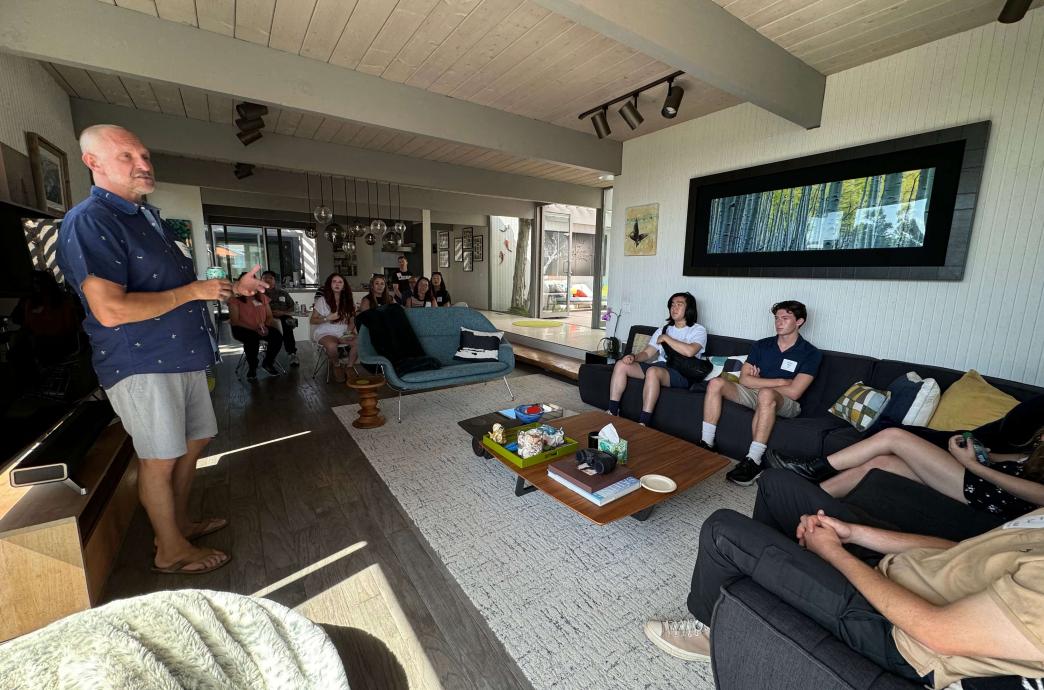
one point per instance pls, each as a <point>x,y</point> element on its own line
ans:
<point>757,382</point>
<point>887,541</point>
<point>142,306</point>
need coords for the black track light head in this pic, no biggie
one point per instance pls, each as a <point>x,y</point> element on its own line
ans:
<point>1013,11</point>
<point>251,110</point>
<point>248,138</point>
<point>629,112</point>
<point>673,100</point>
<point>601,124</point>
<point>243,170</point>
<point>249,124</point>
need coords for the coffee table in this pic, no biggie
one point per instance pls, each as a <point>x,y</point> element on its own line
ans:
<point>649,452</point>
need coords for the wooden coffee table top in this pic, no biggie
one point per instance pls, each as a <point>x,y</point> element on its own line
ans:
<point>649,452</point>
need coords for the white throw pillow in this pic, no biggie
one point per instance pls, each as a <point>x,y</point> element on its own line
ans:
<point>924,404</point>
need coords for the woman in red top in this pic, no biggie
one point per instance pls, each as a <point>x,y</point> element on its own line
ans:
<point>252,321</point>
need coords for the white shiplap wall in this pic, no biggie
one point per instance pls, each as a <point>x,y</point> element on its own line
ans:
<point>30,101</point>
<point>990,321</point>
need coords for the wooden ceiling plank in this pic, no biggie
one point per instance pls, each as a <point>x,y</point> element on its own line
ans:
<point>364,24</point>
<point>287,122</point>
<point>397,141</point>
<point>380,139</point>
<point>537,47</point>
<point>254,20</point>
<point>195,103</point>
<point>430,144</point>
<point>527,23</point>
<point>634,72</point>
<point>58,78</point>
<point>476,25</point>
<point>833,14</point>
<point>364,136</point>
<point>326,27</point>
<point>218,16</point>
<point>404,21</point>
<point>290,21</point>
<point>556,86</point>
<point>741,9</point>
<point>328,129</point>
<point>80,82</point>
<point>222,108</point>
<point>347,132</point>
<point>108,2</point>
<point>168,96</point>
<point>411,147</point>
<point>141,93</point>
<point>432,33</point>
<point>444,152</point>
<point>112,88</point>
<point>309,125</point>
<point>143,6</point>
<point>183,11</point>
<point>463,155</point>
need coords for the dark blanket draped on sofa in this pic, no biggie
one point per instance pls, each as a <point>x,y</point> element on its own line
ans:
<point>393,337</point>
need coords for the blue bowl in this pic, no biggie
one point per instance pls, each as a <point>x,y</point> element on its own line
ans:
<point>522,416</point>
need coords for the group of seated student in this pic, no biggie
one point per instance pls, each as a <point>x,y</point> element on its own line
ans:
<point>333,321</point>
<point>776,373</point>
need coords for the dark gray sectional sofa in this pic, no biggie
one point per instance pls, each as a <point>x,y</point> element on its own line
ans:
<point>815,431</point>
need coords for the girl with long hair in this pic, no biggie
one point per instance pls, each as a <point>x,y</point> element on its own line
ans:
<point>333,316</point>
<point>421,295</point>
<point>377,293</point>
<point>438,288</point>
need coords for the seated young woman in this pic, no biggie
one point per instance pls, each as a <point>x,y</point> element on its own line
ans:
<point>1008,485</point>
<point>421,295</point>
<point>377,293</point>
<point>333,318</point>
<point>438,287</point>
<point>682,334</point>
<point>252,321</point>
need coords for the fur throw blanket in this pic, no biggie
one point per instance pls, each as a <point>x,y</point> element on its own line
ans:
<point>176,639</point>
<point>393,338</point>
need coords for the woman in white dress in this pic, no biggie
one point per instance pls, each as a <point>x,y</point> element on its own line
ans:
<point>333,318</point>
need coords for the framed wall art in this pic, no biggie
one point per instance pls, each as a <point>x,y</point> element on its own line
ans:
<point>640,230</point>
<point>444,238</point>
<point>50,174</point>
<point>458,249</point>
<point>444,258</point>
<point>469,260</point>
<point>469,238</point>
<point>480,248</point>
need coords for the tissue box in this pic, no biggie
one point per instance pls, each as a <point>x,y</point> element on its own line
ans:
<point>619,449</point>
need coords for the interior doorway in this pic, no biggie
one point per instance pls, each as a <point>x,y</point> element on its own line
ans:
<point>567,266</point>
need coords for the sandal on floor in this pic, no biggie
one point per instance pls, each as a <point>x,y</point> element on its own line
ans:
<point>179,568</point>
<point>208,526</point>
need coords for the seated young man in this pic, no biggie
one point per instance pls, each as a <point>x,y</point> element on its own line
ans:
<point>682,334</point>
<point>777,372</point>
<point>931,611</point>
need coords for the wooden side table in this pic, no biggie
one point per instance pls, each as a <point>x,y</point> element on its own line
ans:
<point>369,413</point>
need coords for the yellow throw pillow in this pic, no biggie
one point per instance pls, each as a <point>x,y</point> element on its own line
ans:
<point>969,403</point>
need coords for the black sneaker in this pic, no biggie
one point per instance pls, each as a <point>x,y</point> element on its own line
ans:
<point>745,473</point>
<point>272,371</point>
<point>813,469</point>
<point>252,375</point>
<point>707,446</point>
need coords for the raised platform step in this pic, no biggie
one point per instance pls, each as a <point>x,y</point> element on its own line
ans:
<point>548,361</point>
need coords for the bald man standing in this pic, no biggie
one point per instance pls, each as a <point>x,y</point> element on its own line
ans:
<point>151,335</point>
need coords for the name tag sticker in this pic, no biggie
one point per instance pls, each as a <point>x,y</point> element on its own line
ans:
<point>1026,522</point>
<point>184,249</point>
<point>788,365</point>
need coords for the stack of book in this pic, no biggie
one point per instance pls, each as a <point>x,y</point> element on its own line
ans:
<point>597,488</point>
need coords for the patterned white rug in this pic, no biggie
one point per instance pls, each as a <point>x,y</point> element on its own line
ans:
<point>566,597</point>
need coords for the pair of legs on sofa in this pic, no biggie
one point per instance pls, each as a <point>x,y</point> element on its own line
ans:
<point>764,548</point>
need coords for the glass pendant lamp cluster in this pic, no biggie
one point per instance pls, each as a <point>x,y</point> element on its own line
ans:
<point>344,236</point>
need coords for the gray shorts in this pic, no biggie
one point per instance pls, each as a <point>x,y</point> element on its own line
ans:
<point>163,411</point>
<point>748,397</point>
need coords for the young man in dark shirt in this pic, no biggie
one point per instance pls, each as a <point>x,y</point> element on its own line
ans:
<point>776,374</point>
<point>401,282</point>
<point>283,309</point>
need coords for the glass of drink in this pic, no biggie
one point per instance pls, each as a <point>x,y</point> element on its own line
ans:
<point>216,272</point>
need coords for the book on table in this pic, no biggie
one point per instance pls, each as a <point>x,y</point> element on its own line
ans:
<point>585,477</point>
<point>621,483</point>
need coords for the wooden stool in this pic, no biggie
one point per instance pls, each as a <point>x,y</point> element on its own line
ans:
<point>369,414</point>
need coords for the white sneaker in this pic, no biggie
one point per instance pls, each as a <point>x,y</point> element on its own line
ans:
<point>686,639</point>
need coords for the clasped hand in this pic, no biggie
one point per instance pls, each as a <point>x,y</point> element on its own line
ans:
<point>821,533</point>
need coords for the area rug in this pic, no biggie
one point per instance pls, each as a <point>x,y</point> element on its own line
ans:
<point>537,323</point>
<point>566,597</point>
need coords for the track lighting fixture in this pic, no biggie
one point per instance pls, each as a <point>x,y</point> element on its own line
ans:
<point>250,110</point>
<point>1013,11</point>
<point>601,124</point>
<point>249,124</point>
<point>248,138</point>
<point>673,100</point>
<point>243,170</point>
<point>629,112</point>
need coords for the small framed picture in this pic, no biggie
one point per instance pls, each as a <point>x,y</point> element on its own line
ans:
<point>458,249</point>
<point>444,240</point>
<point>50,174</point>
<point>443,258</point>
<point>480,253</point>
<point>469,238</point>
<point>469,260</point>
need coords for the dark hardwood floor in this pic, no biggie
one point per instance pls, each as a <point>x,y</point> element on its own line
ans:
<point>314,527</point>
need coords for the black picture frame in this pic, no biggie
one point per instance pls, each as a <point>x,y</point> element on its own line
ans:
<point>444,258</point>
<point>444,240</point>
<point>458,249</point>
<point>957,154</point>
<point>480,248</point>
<point>469,260</point>
<point>469,238</point>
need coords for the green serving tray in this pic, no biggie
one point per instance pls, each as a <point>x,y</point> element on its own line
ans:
<point>511,435</point>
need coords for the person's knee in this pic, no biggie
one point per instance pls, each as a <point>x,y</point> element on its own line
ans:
<point>774,480</point>
<point>880,462</point>
<point>768,398</point>
<point>893,435</point>
<point>721,521</point>
<point>716,385</point>
<point>157,468</point>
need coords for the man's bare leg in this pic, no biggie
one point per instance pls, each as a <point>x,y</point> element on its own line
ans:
<point>156,491</point>
<point>622,372</point>
<point>184,473</point>
<point>655,379</point>
<point>717,388</point>
<point>765,415</point>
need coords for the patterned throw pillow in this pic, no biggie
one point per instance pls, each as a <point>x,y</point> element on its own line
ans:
<point>478,346</point>
<point>729,367</point>
<point>860,405</point>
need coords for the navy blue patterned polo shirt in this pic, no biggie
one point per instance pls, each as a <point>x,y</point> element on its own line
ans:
<point>127,243</point>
